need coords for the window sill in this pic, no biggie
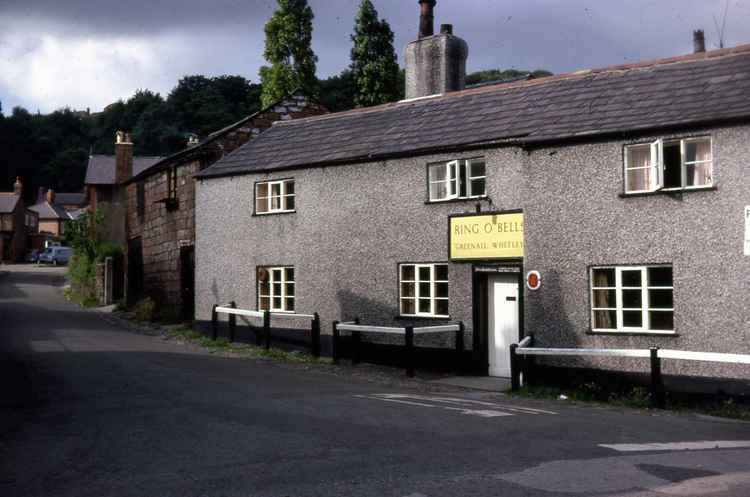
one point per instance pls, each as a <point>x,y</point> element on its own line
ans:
<point>402,317</point>
<point>635,333</point>
<point>264,214</point>
<point>671,192</point>
<point>457,200</point>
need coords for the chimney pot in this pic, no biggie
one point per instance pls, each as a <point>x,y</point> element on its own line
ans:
<point>123,157</point>
<point>699,41</point>
<point>446,29</point>
<point>427,18</point>
<point>51,196</point>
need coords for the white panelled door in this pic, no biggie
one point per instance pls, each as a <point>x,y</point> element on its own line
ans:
<point>502,321</point>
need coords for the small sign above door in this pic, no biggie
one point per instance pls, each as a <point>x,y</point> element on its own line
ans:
<point>486,236</point>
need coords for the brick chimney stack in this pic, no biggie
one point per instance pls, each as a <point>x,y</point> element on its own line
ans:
<point>18,186</point>
<point>699,41</point>
<point>435,63</point>
<point>427,18</point>
<point>51,196</point>
<point>123,157</point>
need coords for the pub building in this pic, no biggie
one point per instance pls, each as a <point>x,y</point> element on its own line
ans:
<point>623,189</point>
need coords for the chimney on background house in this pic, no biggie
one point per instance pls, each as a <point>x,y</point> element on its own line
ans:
<point>41,194</point>
<point>51,196</point>
<point>123,157</point>
<point>699,41</point>
<point>435,63</point>
<point>18,186</point>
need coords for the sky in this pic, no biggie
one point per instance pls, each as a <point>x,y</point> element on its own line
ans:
<point>89,53</point>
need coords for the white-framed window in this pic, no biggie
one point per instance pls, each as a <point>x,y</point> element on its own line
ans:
<point>669,165</point>
<point>632,299</point>
<point>457,179</point>
<point>272,197</point>
<point>423,290</point>
<point>276,289</point>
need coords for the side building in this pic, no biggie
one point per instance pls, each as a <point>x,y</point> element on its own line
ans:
<point>625,188</point>
<point>15,222</point>
<point>161,209</point>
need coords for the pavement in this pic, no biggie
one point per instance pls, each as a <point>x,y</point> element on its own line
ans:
<point>90,409</point>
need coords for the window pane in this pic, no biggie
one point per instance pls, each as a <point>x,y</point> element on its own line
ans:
<point>438,191</point>
<point>698,174</point>
<point>275,189</point>
<point>276,289</point>
<point>277,302</point>
<point>477,168</point>
<point>261,190</point>
<point>425,290</point>
<point>264,288</point>
<point>407,273</point>
<point>289,187</point>
<point>604,277</point>
<point>441,272</point>
<point>289,305</point>
<point>289,273</point>
<point>632,319</point>
<point>660,276</point>
<point>605,320</point>
<point>275,203</point>
<point>407,289</point>
<point>698,151</point>
<point>262,274</point>
<point>660,299</point>
<point>424,274</point>
<point>631,278</point>
<point>638,180</point>
<point>604,298</point>
<point>632,299</point>
<point>437,172</point>
<point>441,307</point>
<point>478,187</point>
<point>661,320</point>
<point>441,290</point>
<point>463,180</point>
<point>289,203</point>
<point>261,205</point>
<point>672,165</point>
<point>264,303</point>
<point>424,305</point>
<point>407,306</point>
<point>290,290</point>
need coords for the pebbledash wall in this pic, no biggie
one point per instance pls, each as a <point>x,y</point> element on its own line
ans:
<point>354,223</point>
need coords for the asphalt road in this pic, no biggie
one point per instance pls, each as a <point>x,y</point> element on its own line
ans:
<point>87,409</point>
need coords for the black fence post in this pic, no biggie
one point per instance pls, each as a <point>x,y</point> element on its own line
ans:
<point>232,321</point>
<point>460,347</point>
<point>527,365</point>
<point>214,322</point>
<point>356,340</point>
<point>335,343</point>
<point>315,335</point>
<point>515,384</point>
<point>657,384</point>
<point>409,339</point>
<point>267,328</point>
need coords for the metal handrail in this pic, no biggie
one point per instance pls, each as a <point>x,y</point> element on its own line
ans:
<point>240,312</point>
<point>584,352</point>
<point>291,315</point>
<point>704,356</point>
<point>371,329</point>
<point>437,329</point>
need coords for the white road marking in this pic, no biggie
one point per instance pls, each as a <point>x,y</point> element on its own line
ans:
<point>464,406</point>
<point>676,446</point>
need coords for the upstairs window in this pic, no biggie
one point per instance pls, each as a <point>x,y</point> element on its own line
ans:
<point>632,299</point>
<point>458,179</point>
<point>140,199</point>
<point>172,183</point>
<point>273,197</point>
<point>276,289</point>
<point>669,165</point>
<point>423,290</point>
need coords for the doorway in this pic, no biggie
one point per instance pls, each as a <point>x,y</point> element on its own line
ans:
<point>187,282</point>
<point>503,320</point>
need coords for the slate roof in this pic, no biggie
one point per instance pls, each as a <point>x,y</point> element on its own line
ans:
<point>50,211</point>
<point>101,168</point>
<point>8,202</point>
<point>689,90</point>
<point>70,198</point>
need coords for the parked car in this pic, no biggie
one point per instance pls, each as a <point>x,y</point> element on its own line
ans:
<point>33,256</point>
<point>55,255</point>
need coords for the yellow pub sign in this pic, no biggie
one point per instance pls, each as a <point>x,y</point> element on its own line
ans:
<point>486,236</point>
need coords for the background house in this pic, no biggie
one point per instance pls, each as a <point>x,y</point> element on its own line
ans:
<point>13,230</point>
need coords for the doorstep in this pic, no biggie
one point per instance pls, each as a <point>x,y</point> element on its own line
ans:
<point>485,383</point>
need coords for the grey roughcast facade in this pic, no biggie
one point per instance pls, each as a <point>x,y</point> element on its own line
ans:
<point>624,188</point>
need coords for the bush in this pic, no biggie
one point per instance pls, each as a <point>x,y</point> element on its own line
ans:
<point>108,249</point>
<point>145,310</point>
<point>82,271</point>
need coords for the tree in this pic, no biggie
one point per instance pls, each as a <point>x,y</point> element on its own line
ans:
<point>338,93</point>
<point>374,63</point>
<point>289,52</point>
